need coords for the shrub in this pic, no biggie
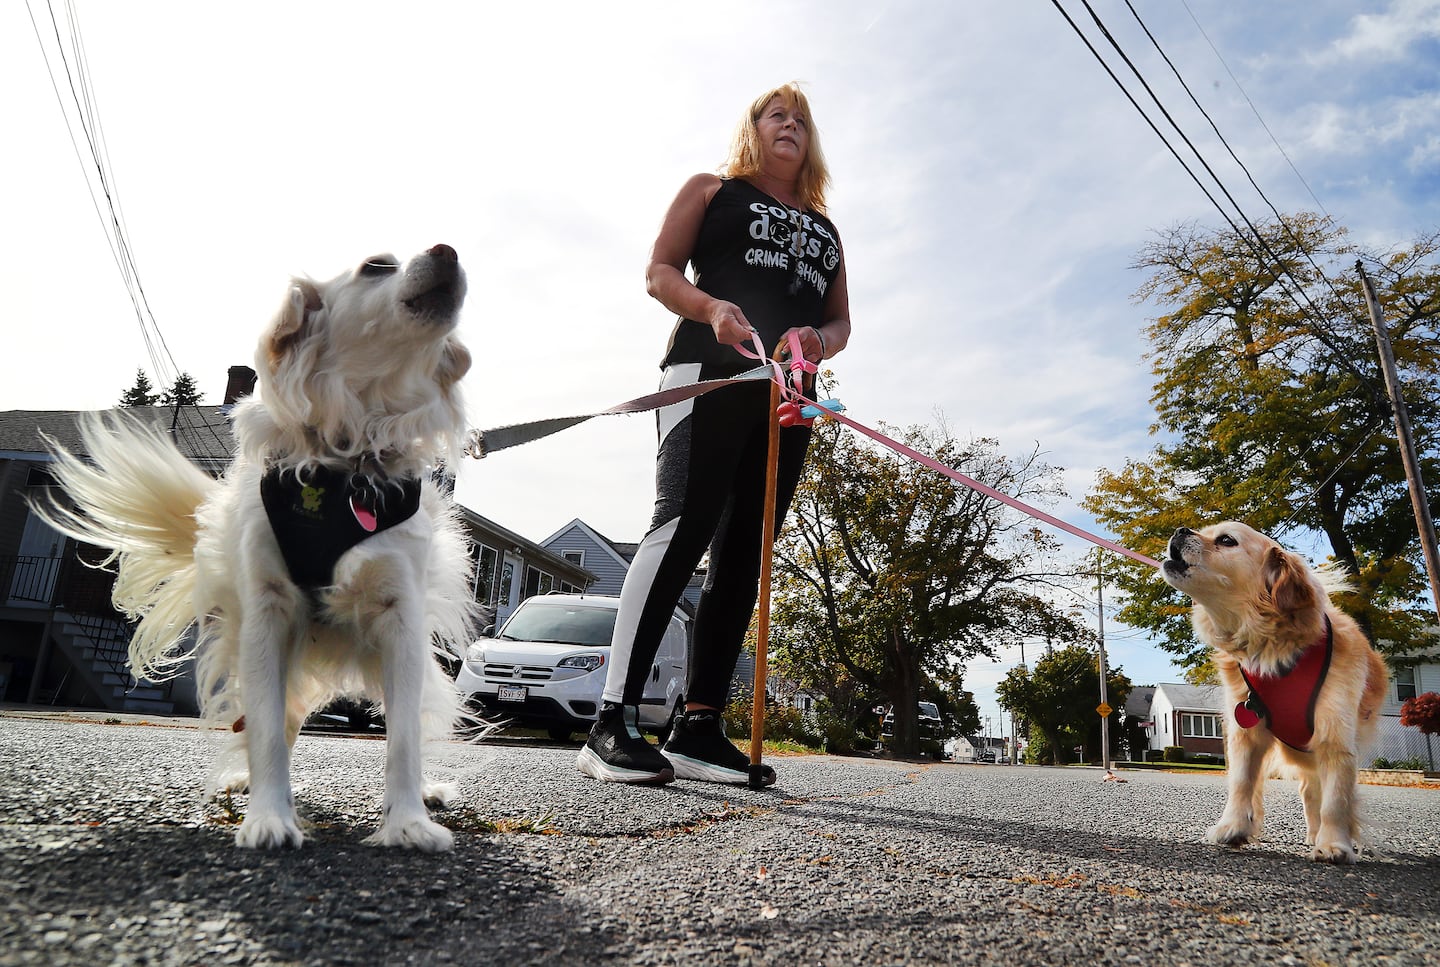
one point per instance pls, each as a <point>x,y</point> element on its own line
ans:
<point>1174,753</point>
<point>783,723</point>
<point>1422,712</point>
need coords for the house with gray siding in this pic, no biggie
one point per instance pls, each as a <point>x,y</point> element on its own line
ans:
<point>608,560</point>
<point>1411,674</point>
<point>61,640</point>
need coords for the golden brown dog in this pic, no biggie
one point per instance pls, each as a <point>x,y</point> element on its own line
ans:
<point>1300,677</point>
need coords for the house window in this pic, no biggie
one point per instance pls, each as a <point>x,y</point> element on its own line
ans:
<point>486,561</point>
<point>1404,683</point>
<point>574,557</point>
<point>537,582</point>
<point>1200,726</point>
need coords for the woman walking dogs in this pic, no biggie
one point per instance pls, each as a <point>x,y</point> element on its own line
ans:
<point>766,260</point>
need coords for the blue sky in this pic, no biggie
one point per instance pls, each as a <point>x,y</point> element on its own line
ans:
<point>992,187</point>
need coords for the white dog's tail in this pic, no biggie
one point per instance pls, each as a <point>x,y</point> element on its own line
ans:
<point>136,496</point>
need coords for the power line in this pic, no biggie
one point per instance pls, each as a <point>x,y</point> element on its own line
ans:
<point>86,116</point>
<point>1280,219</point>
<point>117,236</point>
<point>1253,108</point>
<point>1256,241</point>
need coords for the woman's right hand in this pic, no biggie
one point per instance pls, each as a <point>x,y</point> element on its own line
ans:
<point>730,325</point>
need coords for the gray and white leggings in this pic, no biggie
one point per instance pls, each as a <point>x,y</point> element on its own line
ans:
<point>709,492</point>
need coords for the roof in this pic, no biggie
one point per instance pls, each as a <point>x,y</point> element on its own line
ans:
<point>524,545</point>
<point>623,553</point>
<point>1196,698</point>
<point>1139,700</point>
<point>202,433</point>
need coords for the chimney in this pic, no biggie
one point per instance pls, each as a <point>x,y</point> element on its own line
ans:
<point>240,382</point>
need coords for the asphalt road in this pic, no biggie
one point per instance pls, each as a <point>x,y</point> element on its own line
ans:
<point>108,855</point>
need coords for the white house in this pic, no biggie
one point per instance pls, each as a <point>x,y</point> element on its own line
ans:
<point>1397,742</point>
<point>1188,716</point>
<point>1192,716</point>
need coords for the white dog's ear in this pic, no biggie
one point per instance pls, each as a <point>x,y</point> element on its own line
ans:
<point>289,326</point>
<point>454,363</point>
<point>1287,578</point>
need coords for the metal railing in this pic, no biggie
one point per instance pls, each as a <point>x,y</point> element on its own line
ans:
<point>66,591</point>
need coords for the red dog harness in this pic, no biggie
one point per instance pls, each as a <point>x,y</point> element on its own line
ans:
<point>1287,701</point>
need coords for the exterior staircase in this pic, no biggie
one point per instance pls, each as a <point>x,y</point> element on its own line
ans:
<point>98,650</point>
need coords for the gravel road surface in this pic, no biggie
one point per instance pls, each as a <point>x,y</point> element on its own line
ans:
<point>109,855</point>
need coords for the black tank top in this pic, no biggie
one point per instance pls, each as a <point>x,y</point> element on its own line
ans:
<point>774,262</point>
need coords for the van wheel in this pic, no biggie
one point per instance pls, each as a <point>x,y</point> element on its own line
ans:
<point>559,734</point>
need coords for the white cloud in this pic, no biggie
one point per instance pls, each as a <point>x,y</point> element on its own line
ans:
<point>1389,35</point>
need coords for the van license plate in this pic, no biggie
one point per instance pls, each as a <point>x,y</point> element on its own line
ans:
<point>512,693</point>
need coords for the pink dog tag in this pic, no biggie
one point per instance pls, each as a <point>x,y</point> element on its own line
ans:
<point>1244,717</point>
<point>364,517</point>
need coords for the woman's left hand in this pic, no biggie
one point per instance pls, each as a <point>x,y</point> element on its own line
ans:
<point>812,344</point>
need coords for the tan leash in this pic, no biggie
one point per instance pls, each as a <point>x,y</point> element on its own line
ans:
<point>767,557</point>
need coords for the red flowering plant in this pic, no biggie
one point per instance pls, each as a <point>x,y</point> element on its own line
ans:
<point>1423,712</point>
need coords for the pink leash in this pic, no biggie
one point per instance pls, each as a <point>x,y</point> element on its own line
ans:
<point>501,438</point>
<point>794,396</point>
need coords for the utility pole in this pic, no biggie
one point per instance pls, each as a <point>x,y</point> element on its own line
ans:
<point>1418,498</point>
<point>1104,707</point>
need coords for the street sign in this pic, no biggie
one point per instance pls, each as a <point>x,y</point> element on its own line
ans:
<point>1103,709</point>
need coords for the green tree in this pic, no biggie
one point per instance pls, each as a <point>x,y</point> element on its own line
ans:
<point>1271,410</point>
<point>1058,700</point>
<point>185,392</point>
<point>140,394</point>
<point>889,576</point>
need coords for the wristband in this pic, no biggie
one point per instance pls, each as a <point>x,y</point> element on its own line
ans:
<point>821,339</point>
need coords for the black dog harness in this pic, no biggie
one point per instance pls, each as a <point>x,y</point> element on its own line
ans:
<point>1287,701</point>
<point>319,518</point>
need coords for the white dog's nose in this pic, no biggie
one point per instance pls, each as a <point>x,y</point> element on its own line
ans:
<point>443,251</point>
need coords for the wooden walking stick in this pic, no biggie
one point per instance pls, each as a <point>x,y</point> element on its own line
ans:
<point>767,554</point>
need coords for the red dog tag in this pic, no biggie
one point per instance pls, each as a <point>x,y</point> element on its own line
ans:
<point>363,516</point>
<point>1244,717</point>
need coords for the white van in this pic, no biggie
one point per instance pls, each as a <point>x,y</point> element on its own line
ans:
<point>545,668</point>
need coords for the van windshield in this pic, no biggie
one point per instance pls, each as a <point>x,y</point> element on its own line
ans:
<point>561,624</point>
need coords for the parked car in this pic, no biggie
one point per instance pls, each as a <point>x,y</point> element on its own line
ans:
<point>545,667</point>
<point>932,737</point>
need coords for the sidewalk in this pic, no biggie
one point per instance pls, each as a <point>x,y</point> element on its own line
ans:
<point>108,856</point>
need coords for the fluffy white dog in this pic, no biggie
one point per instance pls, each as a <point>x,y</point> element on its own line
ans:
<point>325,562</point>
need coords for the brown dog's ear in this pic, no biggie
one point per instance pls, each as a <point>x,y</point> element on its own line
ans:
<point>289,325</point>
<point>454,363</point>
<point>1287,578</point>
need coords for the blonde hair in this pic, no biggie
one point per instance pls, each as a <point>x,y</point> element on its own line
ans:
<point>744,160</point>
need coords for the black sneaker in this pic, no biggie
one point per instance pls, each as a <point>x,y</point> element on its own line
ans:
<point>698,749</point>
<point>617,752</point>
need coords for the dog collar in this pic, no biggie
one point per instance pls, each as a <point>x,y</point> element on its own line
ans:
<point>1287,701</point>
<point>319,517</point>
